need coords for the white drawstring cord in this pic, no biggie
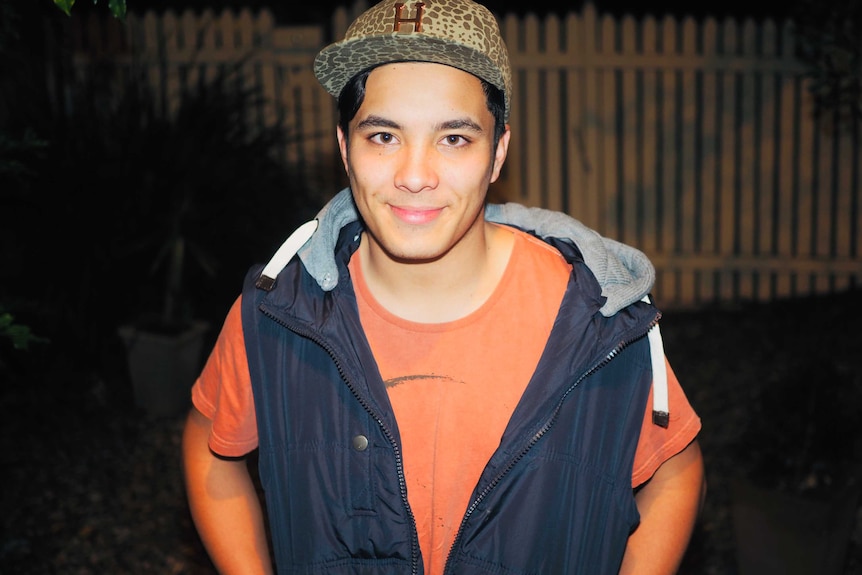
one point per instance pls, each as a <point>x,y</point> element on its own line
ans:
<point>660,407</point>
<point>288,249</point>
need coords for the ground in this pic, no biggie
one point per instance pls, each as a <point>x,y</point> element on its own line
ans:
<point>93,489</point>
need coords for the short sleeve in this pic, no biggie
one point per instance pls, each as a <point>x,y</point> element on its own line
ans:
<point>658,444</point>
<point>223,393</point>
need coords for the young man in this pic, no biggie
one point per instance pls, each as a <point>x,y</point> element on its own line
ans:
<point>436,385</point>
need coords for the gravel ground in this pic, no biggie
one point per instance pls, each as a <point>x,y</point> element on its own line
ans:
<point>92,487</point>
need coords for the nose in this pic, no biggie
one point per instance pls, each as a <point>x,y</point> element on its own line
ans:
<point>416,170</point>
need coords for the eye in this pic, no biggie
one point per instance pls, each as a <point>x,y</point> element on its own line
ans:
<point>455,140</point>
<point>382,138</point>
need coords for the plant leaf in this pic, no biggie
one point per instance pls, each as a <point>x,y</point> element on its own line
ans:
<point>118,8</point>
<point>20,335</point>
<point>65,6</point>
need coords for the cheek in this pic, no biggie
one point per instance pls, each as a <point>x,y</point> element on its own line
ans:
<point>468,182</point>
<point>367,165</point>
<point>367,183</point>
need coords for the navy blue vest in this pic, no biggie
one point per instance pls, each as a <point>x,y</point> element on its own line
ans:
<point>555,498</point>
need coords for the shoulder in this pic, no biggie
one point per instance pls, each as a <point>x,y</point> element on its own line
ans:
<point>529,249</point>
<point>537,269</point>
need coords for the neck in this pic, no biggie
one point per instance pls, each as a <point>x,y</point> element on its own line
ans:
<point>440,290</point>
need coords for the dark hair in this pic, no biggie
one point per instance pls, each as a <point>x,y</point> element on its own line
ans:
<point>353,94</point>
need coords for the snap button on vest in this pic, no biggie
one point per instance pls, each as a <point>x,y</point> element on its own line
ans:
<point>360,443</point>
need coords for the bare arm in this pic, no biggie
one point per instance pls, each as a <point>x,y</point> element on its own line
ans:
<point>668,504</point>
<point>224,504</point>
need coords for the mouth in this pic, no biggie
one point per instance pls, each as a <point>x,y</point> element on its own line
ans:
<point>415,216</point>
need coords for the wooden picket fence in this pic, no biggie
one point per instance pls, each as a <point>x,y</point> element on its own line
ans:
<point>694,141</point>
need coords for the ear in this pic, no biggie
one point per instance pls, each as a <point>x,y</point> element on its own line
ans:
<point>342,148</point>
<point>500,154</point>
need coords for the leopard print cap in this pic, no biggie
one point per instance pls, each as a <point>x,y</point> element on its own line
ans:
<point>458,33</point>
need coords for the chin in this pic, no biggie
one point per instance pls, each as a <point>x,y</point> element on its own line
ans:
<point>415,256</point>
<point>414,252</point>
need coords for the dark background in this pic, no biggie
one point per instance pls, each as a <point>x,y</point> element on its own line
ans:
<point>93,485</point>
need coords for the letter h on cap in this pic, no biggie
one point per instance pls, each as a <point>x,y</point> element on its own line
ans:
<point>417,21</point>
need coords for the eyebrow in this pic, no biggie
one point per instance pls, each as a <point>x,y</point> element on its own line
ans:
<point>377,122</point>
<point>461,124</point>
<point>374,121</point>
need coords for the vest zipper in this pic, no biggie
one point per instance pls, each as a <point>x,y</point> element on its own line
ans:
<point>539,434</point>
<point>402,484</point>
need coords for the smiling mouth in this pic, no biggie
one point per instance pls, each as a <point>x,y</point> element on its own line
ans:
<point>416,216</point>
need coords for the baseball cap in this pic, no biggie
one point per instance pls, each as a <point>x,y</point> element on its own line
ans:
<point>457,33</point>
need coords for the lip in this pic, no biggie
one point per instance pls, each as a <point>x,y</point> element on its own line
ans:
<point>416,216</point>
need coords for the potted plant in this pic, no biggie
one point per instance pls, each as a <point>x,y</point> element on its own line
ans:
<point>205,178</point>
<point>185,190</point>
<point>795,499</point>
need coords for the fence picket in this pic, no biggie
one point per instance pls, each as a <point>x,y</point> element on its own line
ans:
<point>265,32</point>
<point>667,190</point>
<point>552,191</point>
<point>748,191</point>
<point>607,106</point>
<point>785,221</point>
<point>687,192</point>
<point>825,216</point>
<point>649,240</point>
<point>805,207</point>
<point>710,147</point>
<point>577,157</point>
<point>843,206</point>
<point>531,190</point>
<point>592,81</point>
<point>725,276</point>
<point>628,212</point>
<point>765,220</point>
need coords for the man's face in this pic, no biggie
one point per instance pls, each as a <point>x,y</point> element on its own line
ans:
<point>420,158</point>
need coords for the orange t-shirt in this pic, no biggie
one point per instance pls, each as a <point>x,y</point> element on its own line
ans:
<point>488,356</point>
